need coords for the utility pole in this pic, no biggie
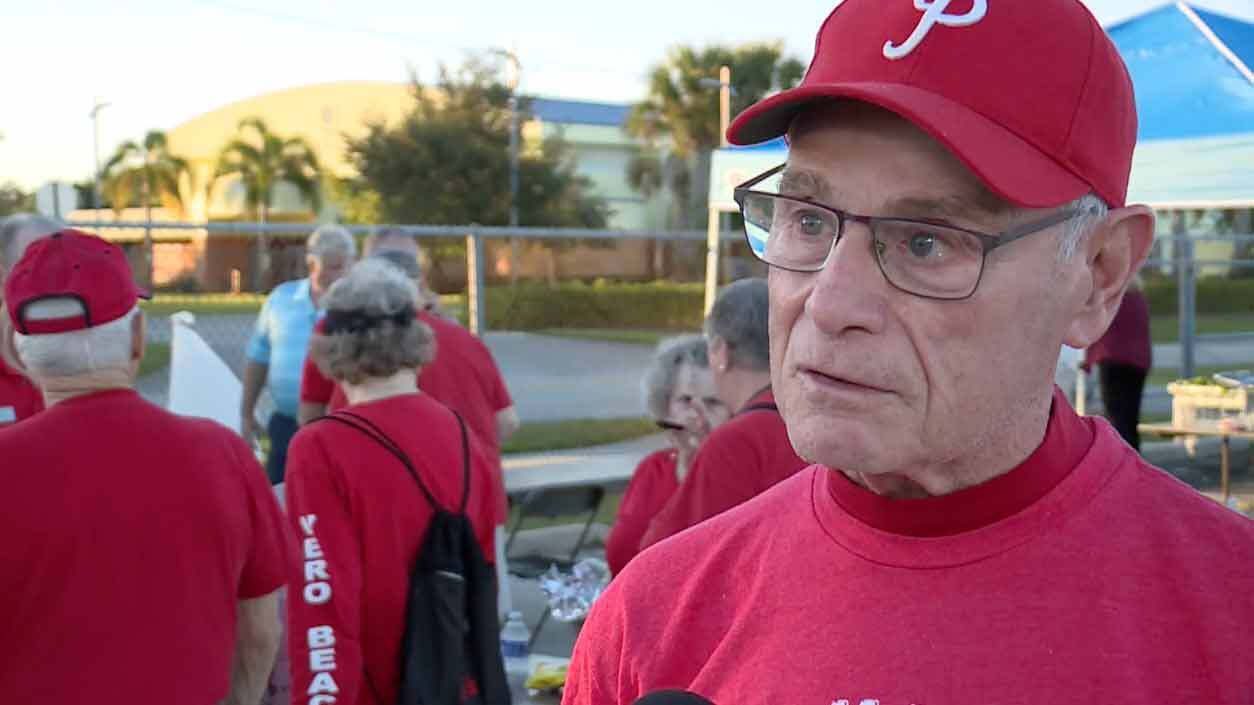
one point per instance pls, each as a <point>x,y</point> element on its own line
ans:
<point>95,130</point>
<point>515,77</point>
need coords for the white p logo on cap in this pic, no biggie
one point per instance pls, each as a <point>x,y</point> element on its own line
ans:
<point>934,14</point>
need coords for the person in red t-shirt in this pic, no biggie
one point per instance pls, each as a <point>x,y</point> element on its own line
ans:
<point>747,455</point>
<point>1124,356</point>
<point>681,397</point>
<point>361,517</point>
<point>952,211</point>
<point>463,375</point>
<point>19,397</point>
<point>143,552</point>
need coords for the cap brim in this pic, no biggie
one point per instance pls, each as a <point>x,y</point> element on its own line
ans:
<point>1007,164</point>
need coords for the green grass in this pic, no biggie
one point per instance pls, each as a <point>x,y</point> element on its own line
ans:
<point>579,433</point>
<point>1162,375</point>
<point>1166,329</point>
<point>638,337</point>
<point>166,304</point>
<point>156,356</point>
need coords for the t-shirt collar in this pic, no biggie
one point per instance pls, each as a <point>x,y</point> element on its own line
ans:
<point>1068,438</point>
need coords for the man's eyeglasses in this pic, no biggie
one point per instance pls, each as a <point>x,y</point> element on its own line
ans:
<point>918,257</point>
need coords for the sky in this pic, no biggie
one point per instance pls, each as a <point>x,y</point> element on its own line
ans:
<point>159,63</point>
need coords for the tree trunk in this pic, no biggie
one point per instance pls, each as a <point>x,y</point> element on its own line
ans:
<point>263,251</point>
<point>148,255</point>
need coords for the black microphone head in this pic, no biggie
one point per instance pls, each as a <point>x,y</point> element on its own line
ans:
<point>671,697</point>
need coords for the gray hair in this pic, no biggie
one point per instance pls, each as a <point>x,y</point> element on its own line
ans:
<point>739,317</point>
<point>1092,210</point>
<point>19,224</point>
<point>331,239</point>
<point>377,289</point>
<point>659,380</point>
<point>407,262</point>
<point>104,347</point>
<point>394,234</point>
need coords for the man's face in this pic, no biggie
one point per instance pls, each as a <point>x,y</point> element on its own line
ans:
<point>327,269</point>
<point>876,381</point>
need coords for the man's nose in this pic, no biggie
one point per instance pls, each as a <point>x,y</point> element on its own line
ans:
<point>849,291</point>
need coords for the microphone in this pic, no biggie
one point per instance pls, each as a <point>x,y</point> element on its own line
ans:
<point>671,697</point>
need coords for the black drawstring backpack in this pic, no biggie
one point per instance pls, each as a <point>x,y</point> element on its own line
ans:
<point>450,651</point>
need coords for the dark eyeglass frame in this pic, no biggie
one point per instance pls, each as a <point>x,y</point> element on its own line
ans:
<point>988,242</point>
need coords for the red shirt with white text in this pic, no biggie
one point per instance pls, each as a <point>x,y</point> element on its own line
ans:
<point>361,519</point>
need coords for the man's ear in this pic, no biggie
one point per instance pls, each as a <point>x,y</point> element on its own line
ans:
<point>8,345</point>
<point>717,351</point>
<point>1113,253</point>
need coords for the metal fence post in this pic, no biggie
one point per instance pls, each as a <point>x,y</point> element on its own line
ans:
<point>1186,294</point>
<point>712,259</point>
<point>476,309</point>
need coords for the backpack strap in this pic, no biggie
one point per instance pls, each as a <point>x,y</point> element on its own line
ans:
<point>370,429</point>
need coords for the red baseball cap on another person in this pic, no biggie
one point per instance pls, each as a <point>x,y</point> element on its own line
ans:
<point>1031,95</point>
<point>71,265</point>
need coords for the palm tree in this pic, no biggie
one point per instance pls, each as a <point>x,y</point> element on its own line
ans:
<point>682,109</point>
<point>262,160</point>
<point>145,171</point>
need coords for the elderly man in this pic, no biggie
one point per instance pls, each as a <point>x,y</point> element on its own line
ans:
<point>952,211</point>
<point>276,352</point>
<point>19,397</point>
<point>142,551</point>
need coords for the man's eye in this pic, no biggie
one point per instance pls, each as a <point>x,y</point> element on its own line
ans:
<point>923,245</point>
<point>811,224</point>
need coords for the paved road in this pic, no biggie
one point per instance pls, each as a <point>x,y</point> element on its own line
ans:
<point>556,378</point>
<point>550,378</point>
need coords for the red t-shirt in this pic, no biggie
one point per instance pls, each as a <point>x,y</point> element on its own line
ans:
<point>740,460</point>
<point>652,484</point>
<point>463,376</point>
<point>130,535</point>
<point>19,397</point>
<point>1103,580</point>
<point>361,519</point>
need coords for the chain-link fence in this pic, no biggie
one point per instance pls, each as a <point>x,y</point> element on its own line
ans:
<point>1200,285</point>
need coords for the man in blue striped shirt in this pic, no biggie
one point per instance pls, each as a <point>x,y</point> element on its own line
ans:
<point>276,351</point>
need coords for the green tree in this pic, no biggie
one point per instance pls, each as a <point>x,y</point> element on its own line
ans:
<point>14,200</point>
<point>683,109</point>
<point>447,163</point>
<point>145,173</point>
<point>262,160</point>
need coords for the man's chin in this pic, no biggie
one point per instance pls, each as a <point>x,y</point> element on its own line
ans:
<point>890,484</point>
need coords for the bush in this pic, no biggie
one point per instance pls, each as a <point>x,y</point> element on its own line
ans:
<point>655,306</point>
<point>1214,295</point>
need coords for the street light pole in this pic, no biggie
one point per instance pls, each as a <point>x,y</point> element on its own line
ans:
<point>95,131</point>
<point>515,77</point>
<point>724,102</point>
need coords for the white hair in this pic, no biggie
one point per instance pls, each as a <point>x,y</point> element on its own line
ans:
<point>79,352</point>
<point>1091,211</point>
<point>331,239</point>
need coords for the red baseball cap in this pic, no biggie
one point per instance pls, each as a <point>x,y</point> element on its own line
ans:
<point>71,265</point>
<point>1031,95</point>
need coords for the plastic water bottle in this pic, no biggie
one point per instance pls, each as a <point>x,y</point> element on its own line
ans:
<point>515,640</point>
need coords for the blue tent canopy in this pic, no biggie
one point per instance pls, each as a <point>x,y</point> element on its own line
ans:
<point>1195,100</point>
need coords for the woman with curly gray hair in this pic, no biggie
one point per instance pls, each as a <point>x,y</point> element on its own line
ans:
<point>360,516</point>
<point>679,393</point>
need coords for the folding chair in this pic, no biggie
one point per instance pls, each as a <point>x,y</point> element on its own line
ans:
<point>551,504</point>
